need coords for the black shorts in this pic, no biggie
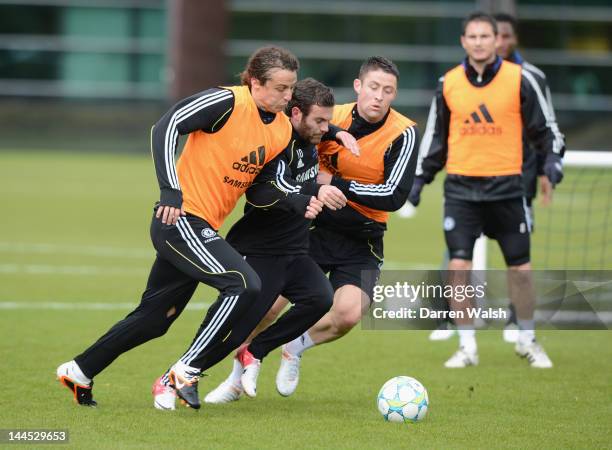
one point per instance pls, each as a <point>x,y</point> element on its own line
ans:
<point>348,260</point>
<point>506,221</point>
<point>295,277</point>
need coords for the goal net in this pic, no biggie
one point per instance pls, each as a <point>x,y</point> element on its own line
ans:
<point>572,240</point>
<point>574,232</point>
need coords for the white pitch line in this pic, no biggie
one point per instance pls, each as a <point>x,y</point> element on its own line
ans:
<point>123,252</point>
<point>134,253</point>
<point>49,269</point>
<point>71,249</point>
<point>88,306</point>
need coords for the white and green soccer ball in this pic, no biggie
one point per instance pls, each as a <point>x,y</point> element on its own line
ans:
<point>403,399</point>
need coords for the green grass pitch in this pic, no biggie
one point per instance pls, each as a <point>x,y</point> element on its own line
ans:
<point>75,230</point>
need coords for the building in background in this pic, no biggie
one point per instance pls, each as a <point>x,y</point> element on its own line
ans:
<point>103,70</point>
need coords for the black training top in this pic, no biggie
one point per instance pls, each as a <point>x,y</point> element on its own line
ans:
<point>273,222</point>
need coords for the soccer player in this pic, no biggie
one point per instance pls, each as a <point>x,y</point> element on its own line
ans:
<point>482,107</point>
<point>533,161</point>
<point>348,243</point>
<point>233,132</point>
<point>272,235</point>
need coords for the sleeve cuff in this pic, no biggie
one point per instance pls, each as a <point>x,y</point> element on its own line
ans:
<point>171,197</point>
<point>340,183</point>
<point>310,188</point>
<point>331,133</point>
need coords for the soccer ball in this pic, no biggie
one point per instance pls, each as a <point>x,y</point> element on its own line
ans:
<point>403,399</point>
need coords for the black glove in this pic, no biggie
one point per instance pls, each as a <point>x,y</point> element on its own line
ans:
<point>415,193</point>
<point>553,168</point>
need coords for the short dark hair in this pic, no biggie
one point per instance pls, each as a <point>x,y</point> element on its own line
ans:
<point>378,63</point>
<point>507,18</point>
<point>265,59</point>
<point>479,16</point>
<point>309,92</point>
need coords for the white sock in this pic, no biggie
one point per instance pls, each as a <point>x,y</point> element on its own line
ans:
<point>467,338</point>
<point>78,374</point>
<point>237,370</point>
<point>526,331</point>
<point>300,344</point>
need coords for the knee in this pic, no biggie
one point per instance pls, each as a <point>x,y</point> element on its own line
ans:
<point>252,284</point>
<point>459,264</point>
<point>523,268</point>
<point>346,321</point>
<point>247,284</point>
<point>520,274</point>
